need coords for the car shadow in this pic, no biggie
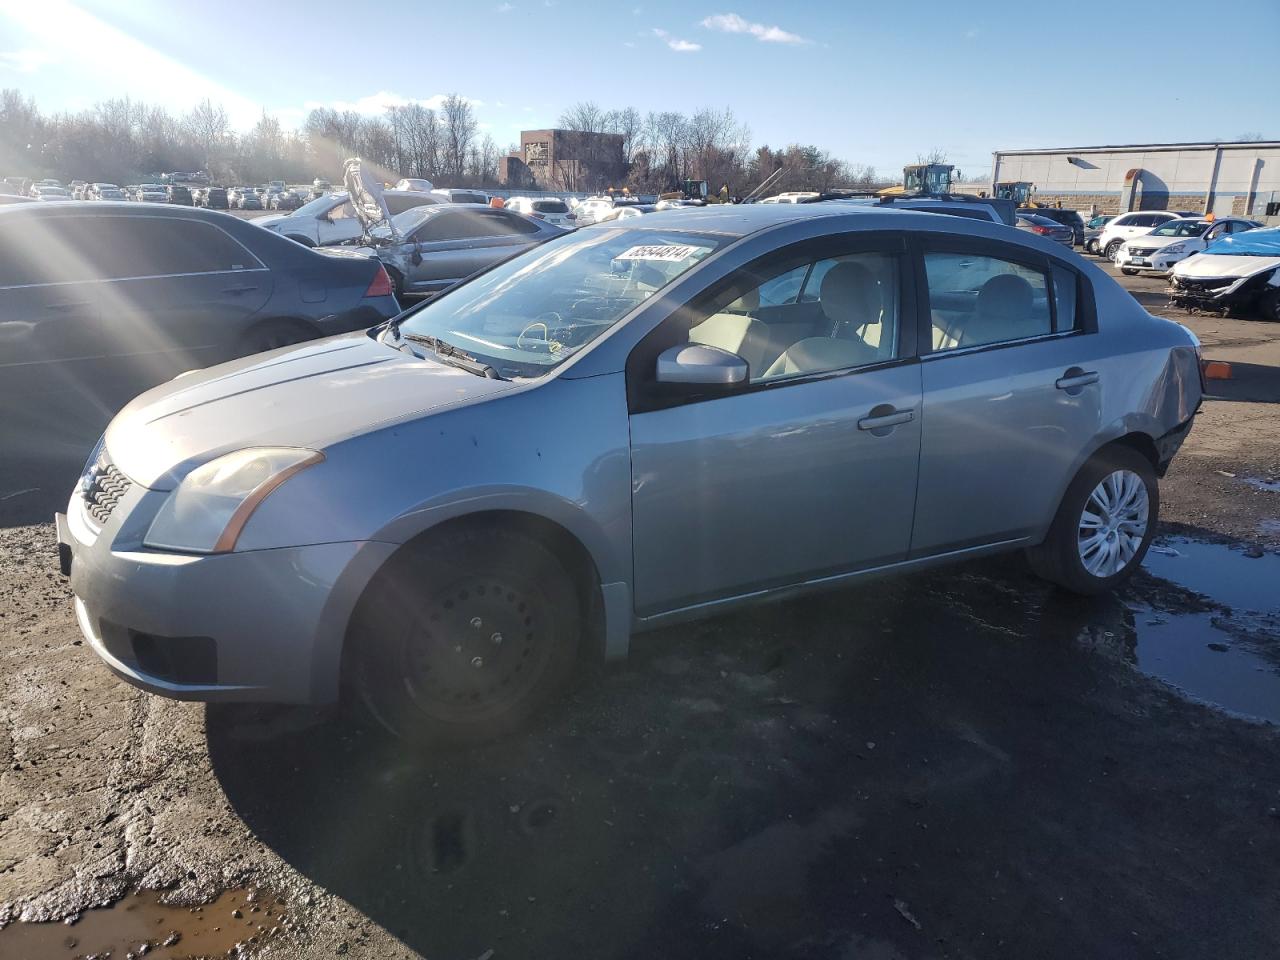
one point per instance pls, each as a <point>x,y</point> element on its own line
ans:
<point>918,759</point>
<point>1250,383</point>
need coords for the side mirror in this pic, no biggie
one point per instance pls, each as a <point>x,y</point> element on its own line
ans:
<point>697,365</point>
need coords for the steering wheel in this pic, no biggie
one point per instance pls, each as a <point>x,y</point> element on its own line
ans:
<point>545,322</point>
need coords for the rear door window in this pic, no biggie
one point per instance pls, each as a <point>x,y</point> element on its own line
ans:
<point>977,300</point>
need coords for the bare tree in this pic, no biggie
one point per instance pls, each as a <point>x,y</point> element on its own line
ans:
<point>459,132</point>
<point>208,126</point>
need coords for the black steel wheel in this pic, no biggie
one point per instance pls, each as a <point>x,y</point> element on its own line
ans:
<point>464,637</point>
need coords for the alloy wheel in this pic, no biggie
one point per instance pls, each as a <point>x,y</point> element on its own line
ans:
<point>1113,524</point>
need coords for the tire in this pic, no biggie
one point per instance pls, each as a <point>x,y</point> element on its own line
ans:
<point>274,334</point>
<point>1061,558</point>
<point>1269,306</point>
<point>1129,271</point>
<point>423,667</point>
<point>1112,247</point>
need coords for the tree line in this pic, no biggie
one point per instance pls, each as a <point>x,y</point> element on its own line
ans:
<point>126,141</point>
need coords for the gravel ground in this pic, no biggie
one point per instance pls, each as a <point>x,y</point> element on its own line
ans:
<point>961,764</point>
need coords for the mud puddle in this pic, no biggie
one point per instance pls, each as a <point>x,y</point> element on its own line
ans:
<point>235,924</point>
<point>1226,654</point>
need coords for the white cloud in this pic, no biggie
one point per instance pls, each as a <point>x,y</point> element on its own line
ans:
<point>732,23</point>
<point>377,103</point>
<point>28,60</point>
<point>675,43</point>
<point>971,33</point>
<point>628,43</point>
<point>504,8</point>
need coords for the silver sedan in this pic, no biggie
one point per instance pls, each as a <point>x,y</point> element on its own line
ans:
<point>619,429</point>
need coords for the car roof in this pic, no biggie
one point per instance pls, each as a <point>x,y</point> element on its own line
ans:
<point>740,220</point>
<point>96,206</point>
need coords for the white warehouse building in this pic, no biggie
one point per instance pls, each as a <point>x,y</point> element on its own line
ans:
<point>1240,178</point>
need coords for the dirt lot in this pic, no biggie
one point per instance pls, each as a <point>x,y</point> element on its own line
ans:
<point>961,764</point>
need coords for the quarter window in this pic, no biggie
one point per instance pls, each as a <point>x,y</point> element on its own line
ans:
<point>977,300</point>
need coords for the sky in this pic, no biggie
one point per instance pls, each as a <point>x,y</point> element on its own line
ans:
<point>872,83</point>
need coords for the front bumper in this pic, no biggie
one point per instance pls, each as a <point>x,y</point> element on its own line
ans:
<point>262,625</point>
<point>1152,263</point>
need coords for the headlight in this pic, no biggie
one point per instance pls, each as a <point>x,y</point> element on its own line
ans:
<point>1175,248</point>
<point>210,507</point>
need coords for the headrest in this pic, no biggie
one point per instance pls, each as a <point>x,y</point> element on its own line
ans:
<point>850,293</point>
<point>749,302</point>
<point>1005,297</point>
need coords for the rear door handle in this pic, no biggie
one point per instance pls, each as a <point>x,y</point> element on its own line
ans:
<point>881,421</point>
<point>68,306</point>
<point>238,289</point>
<point>1075,379</point>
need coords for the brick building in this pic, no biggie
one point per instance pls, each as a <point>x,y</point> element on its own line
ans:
<point>571,160</point>
<point>1238,178</point>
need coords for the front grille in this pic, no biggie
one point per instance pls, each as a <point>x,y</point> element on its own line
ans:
<point>1209,283</point>
<point>1143,252</point>
<point>102,488</point>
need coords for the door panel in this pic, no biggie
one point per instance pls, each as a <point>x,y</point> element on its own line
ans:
<point>773,486</point>
<point>999,439</point>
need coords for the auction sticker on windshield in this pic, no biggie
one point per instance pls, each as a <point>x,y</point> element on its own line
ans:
<point>667,252</point>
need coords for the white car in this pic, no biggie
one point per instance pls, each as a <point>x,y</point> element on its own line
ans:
<point>416,184</point>
<point>331,219</point>
<point>794,196</point>
<point>551,209</point>
<point>152,193</point>
<point>1176,240</point>
<point>1129,225</point>
<point>592,209</point>
<point>1240,273</point>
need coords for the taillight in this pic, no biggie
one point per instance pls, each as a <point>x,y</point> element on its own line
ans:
<point>380,285</point>
<point>571,216</point>
<point>1042,230</point>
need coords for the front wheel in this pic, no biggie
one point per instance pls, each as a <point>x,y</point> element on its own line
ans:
<point>1112,247</point>
<point>1129,271</point>
<point>1269,306</point>
<point>463,638</point>
<point>1104,525</point>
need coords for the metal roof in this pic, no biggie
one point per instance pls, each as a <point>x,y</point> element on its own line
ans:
<point>1147,147</point>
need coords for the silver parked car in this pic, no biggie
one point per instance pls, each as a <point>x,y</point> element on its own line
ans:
<point>619,429</point>
<point>426,249</point>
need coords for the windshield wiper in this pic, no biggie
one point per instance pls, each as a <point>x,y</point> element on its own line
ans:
<point>458,358</point>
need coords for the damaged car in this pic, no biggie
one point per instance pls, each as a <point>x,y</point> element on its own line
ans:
<point>1159,250</point>
<point>1238,275</point>
<point>428,248</point>
<point>620,429</point>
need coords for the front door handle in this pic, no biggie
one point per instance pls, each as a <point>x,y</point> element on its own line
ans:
<point>238,289</point>
<point>1075,378</point>
<point>878,420</point>
<point>68,306</point>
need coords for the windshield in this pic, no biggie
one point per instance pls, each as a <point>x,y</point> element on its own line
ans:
<point>533,312</point>
<point>1181,228</point>
<point>404,222</point>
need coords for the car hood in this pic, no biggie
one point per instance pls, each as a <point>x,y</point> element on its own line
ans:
<point>311,395</point>
<point>271,220</point>
<point>1148,242</point>
<point>366,196</point>
<point>1218,265</point>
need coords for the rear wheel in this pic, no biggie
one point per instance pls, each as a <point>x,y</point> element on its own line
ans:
<point>1104,525</point>
<point>463,638</point>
